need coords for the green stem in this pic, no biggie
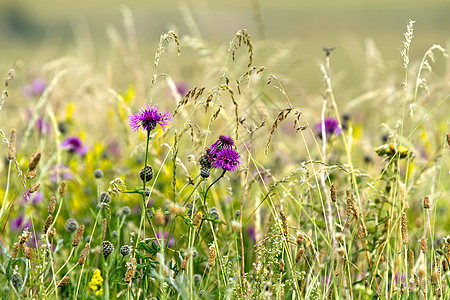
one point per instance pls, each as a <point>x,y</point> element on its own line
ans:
<point>146,156</point>
<point>206,193</point>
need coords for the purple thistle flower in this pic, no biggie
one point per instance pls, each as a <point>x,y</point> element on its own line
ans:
<point>35,88</point>
<point>148,118</point>
<point>227,159</point>
<point>74,144</point>
<point>331,127</point>
<point>223,142</point>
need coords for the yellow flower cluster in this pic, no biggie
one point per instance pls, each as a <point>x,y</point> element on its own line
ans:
<point>95,285</point>
<point>390,150</point>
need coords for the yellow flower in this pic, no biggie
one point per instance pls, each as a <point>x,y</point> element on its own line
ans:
<point>95,285</point>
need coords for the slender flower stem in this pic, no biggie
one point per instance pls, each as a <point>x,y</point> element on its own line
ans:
<point>146,156</point>
<point>206,192</point>
<point>204,202</point>
<point>192,192</point>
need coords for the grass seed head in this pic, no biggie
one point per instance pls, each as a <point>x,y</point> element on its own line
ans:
<point>47,223</point>
<point>131,269</point>
<point>63,282</point>
<point>78,236</point>
<point>52,205</point>
<point>12,144</point>
<point>34,160</point>
<point>404,228</point>
<point>212,256</point>
<point>84,254</point>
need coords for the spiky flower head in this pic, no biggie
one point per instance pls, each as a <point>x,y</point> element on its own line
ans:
<point>125,250</point>
<point>204,172</point>
<point>148,118</point>
<point>98,173</point>
<point>205,161</point>
<point>126,210</point>
<point>146,173</point>
<point>71,225</point>
<point>228,160</point>
<point>223,142</point>
<point>107,248</point>
<point>104,198</point>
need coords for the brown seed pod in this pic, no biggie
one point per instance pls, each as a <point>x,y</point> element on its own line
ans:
<point>78,235</point>
<point>34,188</point>
<point>34,160</point>
<point>63,282</point>
<point>131,269</point>
<point>197,219</point>
<point>52,205</point>
<point>185,261</point>
<point>84,254</point>
<point>12,144</point>
<point>212,256</point>
<point>47,223</point>
<point>32,175</point>
<point>333,193</point>
<point>426,202</point>
<point>404,227</point>
<point>62,188</point>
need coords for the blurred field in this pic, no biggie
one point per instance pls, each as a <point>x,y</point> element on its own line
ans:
<point>50,28</point>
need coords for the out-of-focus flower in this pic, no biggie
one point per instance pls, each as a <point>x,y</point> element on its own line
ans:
<point>63,171</point>
<point>36,88</point>
<point>331,127</point>
<point>74,144</point>
<point>182,88</point>
<point>169,242</point>
<point>148,118</point>
<point>19,223</point>
<point>34,198</point>
<point>251,233</point>
<point>42,126</point>
<point>390,151</point>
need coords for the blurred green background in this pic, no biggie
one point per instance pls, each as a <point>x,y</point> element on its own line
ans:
<point>38,31</point>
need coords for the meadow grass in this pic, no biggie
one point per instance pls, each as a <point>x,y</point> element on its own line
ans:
<point>197,173</point>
